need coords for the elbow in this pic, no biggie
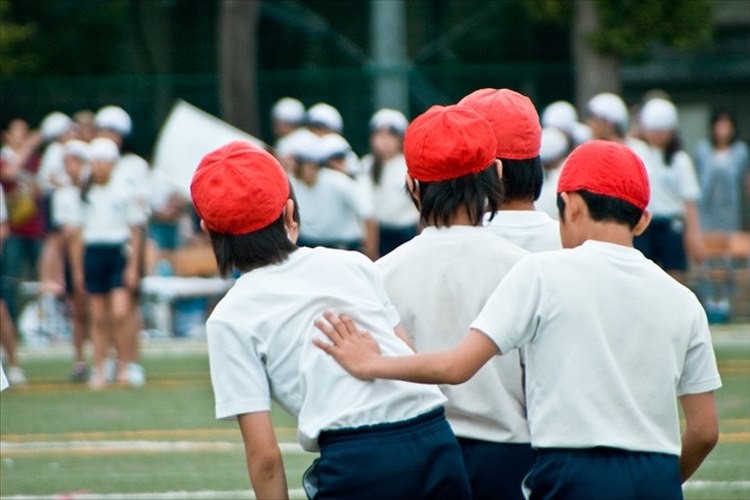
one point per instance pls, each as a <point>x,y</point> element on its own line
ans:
<point>456,374</point>
<point>709,438</point>
<point>265,465</point>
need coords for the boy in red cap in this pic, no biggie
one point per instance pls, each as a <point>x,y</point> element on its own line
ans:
<point>376,440</point>
<point>515,123</point>
<point>612,343</point>
<point>441,279</point>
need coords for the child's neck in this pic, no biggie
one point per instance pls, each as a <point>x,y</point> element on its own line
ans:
<point>517,205</point>
<point>609,232</point>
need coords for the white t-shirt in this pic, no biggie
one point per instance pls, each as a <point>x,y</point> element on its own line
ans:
<point>611,342</point>
<point>529,229</point>
<point>260,346</point>
<point>3,207</point>
<point>547,202</point>
<point>393,206</point>
<point>67,206</point>
<point>108,215</point>
<point>671,185</point>
<point>439,281</point>
<point>334,208</point>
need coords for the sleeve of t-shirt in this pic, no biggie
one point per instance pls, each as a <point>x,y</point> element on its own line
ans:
<point>688,181</point>
<point>238,376</point>
<point>511,316</point>
<point>699,373</point>
<point>66,208</point>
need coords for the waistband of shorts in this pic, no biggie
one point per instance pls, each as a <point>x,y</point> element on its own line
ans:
<point>600,450</point>
<point>424,419</point>
<point>111,247</point>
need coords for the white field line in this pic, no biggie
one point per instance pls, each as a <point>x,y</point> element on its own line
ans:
<point>167,495</point>
<point>93,447</point>
<point>294,493</point>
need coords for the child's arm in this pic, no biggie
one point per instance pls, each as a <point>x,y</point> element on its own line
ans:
<point>264,462</point>
<point>701,431</point>
<point>359,354</point>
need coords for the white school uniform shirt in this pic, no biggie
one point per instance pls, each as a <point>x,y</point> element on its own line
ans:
<point>334,208</point>
<point>67,206</point>
<point>531,230</point>
<point>439,281</point>
<point>611,342</point>
<point>260,346</point>
<point>671,185</point>
<point>3,207</point>
<point>392,204</point>
<point>108,215</point>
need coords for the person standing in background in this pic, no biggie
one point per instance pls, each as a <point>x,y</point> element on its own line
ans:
<point>723,168</point>
<point>674,233</point>
<point>384,170</point>
<point>555,149</point>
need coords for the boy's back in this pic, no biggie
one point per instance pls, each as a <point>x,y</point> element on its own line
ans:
<point>643,336</point>
<point>259,338</point>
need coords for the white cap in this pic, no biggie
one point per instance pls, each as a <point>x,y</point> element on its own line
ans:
<point>554,144</point>
<point>114,118</point>
<point>581,133</point>
<point>289,110</point>
<point>560,114</point>
<point>77,148</point>
<point>389,118</point>
<point>304,146</point>
<point>103,149</point>
<point>290,144</point>
<point>659,114</point>
<point>55,124</point>
<point>610,108</point>
<point>332,145</point>
<point>326,115</point>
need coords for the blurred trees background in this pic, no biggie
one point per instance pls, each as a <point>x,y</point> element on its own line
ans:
<point>233,58</point>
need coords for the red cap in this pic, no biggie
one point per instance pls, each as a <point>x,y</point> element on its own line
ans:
<point>514,119</point>
<point>606,168</point>
<point>239,188</point>
<point>447,142</point>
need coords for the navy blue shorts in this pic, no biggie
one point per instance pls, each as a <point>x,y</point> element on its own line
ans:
<point>663,243</point>
<point>103,266</point>
<point>410,460</point>
<point>604,474</point>
<point>496,470</point>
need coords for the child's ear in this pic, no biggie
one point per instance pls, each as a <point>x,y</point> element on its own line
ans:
<point>412,185</point>
<point>203,226</point>
<point>499,166</point>
<point>642,224</point>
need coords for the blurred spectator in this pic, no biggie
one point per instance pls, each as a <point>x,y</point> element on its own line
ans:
<point>66,207</point>
<point>8,332</point>
<point>110,221</point>
<point>674,232</point>
<point>332,205</point>
<point>384,169</point>
<point>287,115</point>
<point>608,119</point>
<point>563,116</point>
<point>22,248</point>
<point>554,151</point>
<point>724,175</point>
<point>324,119</point>
<point>85,126</point>
<point>168,206</point>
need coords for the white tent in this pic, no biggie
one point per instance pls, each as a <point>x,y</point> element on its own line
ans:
<point>186,136</point>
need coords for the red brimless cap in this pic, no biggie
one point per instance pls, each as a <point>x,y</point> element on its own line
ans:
<point>447,142</point>
<point>239,188</point>
<point>606,168</point>
<point>514,119</point>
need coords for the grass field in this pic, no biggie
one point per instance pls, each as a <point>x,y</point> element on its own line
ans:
<point>62,441</point>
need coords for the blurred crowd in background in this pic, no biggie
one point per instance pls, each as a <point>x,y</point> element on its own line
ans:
<point>84,219</point>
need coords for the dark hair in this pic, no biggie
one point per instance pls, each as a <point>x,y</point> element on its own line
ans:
<point>522,179</point>
<point>249,251</point>
<point>723,114</point>
<point>673,146</point>
<point>478,193</point>
<point>605,208</point>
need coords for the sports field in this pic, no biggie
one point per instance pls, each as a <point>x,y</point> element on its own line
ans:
<point>62,441</point>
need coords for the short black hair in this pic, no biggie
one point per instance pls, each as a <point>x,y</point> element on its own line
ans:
<point>478,193</point>
<point>605,208</point>
<point>723,114</point>
<point>245,252</point>
<point>522,179</point>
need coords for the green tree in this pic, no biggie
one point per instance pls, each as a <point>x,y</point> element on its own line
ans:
<point>11,35</point>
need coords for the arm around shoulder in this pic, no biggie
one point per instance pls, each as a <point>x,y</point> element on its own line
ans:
<point>264,463</point>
